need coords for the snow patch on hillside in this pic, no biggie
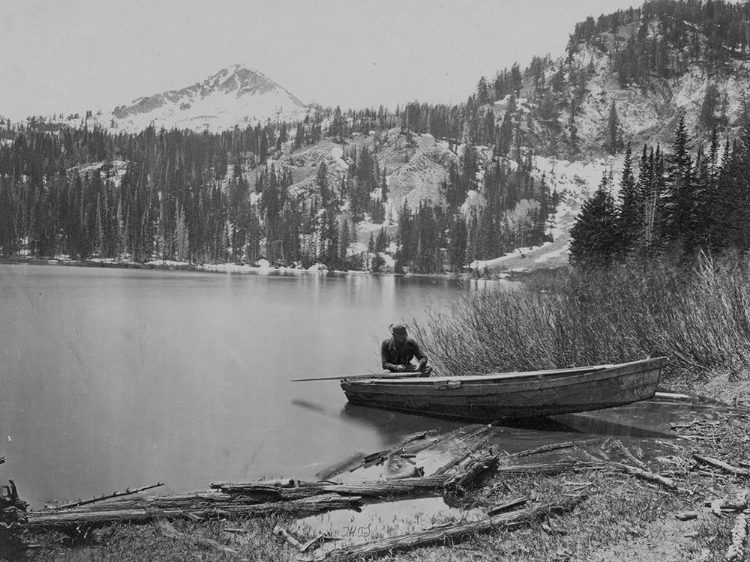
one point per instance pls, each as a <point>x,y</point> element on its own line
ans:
<point>235,96</point>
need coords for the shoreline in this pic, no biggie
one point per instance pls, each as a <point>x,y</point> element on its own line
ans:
<point>245,269</point>
<point>658,499</point>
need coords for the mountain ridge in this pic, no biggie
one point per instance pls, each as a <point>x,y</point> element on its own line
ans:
<point>235,95</point>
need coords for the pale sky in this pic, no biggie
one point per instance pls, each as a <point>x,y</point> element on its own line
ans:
<point>68,56</point>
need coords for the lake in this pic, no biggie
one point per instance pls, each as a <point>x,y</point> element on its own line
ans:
<point>115,378</point>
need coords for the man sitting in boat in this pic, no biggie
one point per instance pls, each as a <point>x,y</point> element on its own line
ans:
<point>398,351</point>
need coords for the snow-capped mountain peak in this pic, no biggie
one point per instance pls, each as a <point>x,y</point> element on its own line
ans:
<point>236,95</point>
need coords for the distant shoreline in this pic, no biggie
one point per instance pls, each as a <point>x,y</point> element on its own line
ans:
<point>230,268</point>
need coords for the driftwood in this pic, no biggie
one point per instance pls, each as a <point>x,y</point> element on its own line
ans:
<point>462,457</point>
<point>414,486</point>
<point>639,473</point>
<point>546,449</point>
<point>12,507</point>
<point>738,504</point>
<point>646,475</point>
<point>375,489</point>
<point>458,483</point>
<point>287,536</point>
<point>280,482</point>
<point>127,492</point>
<point>620,446</point>
<point>510,504</point>
<point>543,449</point>
<point>721,465</point>
<point>554,467</point>
<point>258,492</point>
<point>301,508</point>
<point>442,534</point>
<point>410,445</point>
<point>169,531</point>
<point>195,501</point>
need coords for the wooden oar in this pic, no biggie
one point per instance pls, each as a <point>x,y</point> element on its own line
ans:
<point>370,376</point>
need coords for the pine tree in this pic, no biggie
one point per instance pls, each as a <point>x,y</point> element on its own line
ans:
<point>182,239</point>
<point>321,180</point>
<point>630,218</point>
<point>458,239</point>
<point>613,142</point>
<point>680,196</point>
<point>344,242</point>
<point>594,242</point>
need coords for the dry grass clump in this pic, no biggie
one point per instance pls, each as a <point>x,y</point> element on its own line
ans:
<point>252,540</point>
<point>699,318</point>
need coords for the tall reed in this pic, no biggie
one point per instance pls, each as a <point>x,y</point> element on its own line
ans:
<point>698,317</point>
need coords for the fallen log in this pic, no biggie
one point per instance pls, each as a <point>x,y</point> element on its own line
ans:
<point>262,493</point>
<point>721,465</point>
<point>506,521</point>
<point>377,489</point>
<point>187,502</point>
<point>297,508</point>
<point>646,475</point>
<point>115,494</point>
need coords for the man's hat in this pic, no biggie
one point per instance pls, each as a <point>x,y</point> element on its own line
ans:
<point>398,329</point>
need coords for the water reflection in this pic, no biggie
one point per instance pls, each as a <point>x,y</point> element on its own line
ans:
<point>376,521</point>
<point>394,426</point>
<point>592,425</point>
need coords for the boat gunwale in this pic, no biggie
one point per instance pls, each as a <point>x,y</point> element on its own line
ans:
<point>575,375</point>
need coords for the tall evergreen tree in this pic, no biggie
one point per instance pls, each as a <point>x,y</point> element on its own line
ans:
<point>613,142</point>
<point>680,196</point>
<point>631,207</point>
<point>594,241</point>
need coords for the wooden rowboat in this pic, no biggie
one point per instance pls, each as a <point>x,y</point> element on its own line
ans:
<point>511,395</point>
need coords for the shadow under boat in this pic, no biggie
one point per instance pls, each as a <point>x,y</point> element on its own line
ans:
<point>646,419</point>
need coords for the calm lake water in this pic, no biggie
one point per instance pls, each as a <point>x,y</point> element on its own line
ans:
<point>114,378</point>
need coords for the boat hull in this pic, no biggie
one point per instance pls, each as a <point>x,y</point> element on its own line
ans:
<point>512,395</point>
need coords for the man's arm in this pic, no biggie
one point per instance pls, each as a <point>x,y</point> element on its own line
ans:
<point>385,358</point>
<point>420,356</point>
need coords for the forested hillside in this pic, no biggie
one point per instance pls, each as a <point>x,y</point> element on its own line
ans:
<point>209,198</point>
